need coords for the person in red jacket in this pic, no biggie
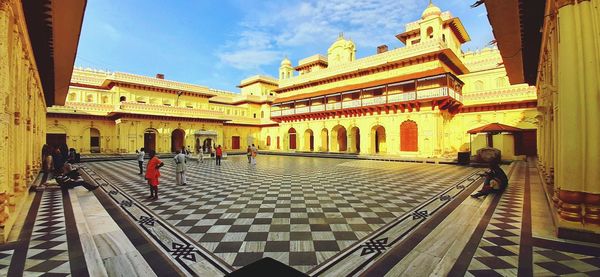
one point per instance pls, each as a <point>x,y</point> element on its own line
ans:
<point>152,174</point>
<point>218,155</point>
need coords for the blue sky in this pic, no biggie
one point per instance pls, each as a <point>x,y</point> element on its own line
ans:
<point>219,43</point>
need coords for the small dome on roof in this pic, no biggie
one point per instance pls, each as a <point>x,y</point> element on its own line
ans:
<point>431,11</point>
<point>286,61</point>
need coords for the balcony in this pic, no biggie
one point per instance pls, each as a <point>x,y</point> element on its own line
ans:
<point>443,90</point>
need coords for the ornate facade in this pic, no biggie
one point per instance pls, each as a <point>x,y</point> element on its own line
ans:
<point>414,101</point>
<point>27,79</point>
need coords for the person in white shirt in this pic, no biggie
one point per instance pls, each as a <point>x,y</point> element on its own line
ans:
<point>180,167</point>
<point>140,159</point>
<point>254,153</point>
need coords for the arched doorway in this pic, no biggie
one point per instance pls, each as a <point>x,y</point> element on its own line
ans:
<point>292,137</point>
<point>409,136</point>
<point>94,140</point>
<point>378,139</point>
<point>207,145</point>
<point>309,140</point>
<point>339,138</point>
<point>355,140</point>
<point>324,140</point>
<point>150,139</point>
<point>177,139</point>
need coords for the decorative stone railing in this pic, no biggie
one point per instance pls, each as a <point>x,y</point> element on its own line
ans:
<point>302,110</point>
<point>351,104</point>
<point>133,107</point>
<point>377,100</point>
<point>333,106</point>
<point>513,93</point>
<point>402,97</point>
<point>90,106</point>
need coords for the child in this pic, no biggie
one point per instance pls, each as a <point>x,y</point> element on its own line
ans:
<point>218,155</point>
<point>152,174</point>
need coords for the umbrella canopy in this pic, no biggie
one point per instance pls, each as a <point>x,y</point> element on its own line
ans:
<point>495,128</point>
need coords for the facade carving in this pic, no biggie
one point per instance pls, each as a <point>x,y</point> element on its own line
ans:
<point>22,117</point>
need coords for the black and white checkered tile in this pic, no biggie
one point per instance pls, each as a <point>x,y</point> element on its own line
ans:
<point>498,251</point>
<point>300,211</point>
<point>5,259</point>
<point>48,250</point>
<point>548,262</point>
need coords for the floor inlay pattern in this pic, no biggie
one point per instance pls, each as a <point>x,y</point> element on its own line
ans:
<point>498,251</point>
<point>548,262</point>
<point>5,259</point>
<point>300,211</point>
<point>48,249</point>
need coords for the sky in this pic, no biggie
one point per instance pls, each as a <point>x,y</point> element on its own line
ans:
<point>219,43</point>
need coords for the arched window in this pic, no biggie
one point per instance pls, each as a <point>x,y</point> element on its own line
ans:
<point>89,98</point>
<point>409,136</point>
<point>72,97</point>
<point>429,32</point>
<point>254,115</point>
<point>443,37</point>
<point>268,140</point>
<point>104,99</point>
<point>122,99</point>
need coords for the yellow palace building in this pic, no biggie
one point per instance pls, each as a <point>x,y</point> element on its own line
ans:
<point>415,101</point>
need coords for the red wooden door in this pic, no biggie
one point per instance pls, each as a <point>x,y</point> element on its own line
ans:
<point>235,142</point>
<point>526,143</point>
<point>409,136</point>
<point>149,141</point>
<point>293,141</point>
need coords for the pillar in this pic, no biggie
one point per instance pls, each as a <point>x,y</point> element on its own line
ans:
<point>578,155</point>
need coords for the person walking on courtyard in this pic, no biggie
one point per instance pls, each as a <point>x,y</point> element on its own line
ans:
<point>180,167</point>
<point>249,154</point>
<point>200,154</point>
<point>152,173</point>
<point>254,153</point>
<point>218,155</point>
<point>495,181</point>
<point>140,158</point>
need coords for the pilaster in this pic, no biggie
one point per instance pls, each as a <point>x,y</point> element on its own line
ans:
<point>578,154</point>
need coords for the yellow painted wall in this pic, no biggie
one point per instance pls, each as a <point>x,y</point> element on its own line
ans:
<point>23,115</point>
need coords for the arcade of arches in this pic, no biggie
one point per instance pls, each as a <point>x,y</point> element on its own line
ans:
<point>349,139</point>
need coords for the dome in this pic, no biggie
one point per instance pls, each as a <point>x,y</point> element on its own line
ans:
<point>431,11</point>
<point>286,61</point>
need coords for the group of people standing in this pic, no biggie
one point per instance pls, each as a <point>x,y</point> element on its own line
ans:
<point>251,153</point>
<point>154,164</point>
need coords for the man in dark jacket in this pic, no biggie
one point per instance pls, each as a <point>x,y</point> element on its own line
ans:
<point>495,181</point>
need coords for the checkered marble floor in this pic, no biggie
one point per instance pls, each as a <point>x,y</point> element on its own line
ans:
<point>48,249</point>
<point>300,211</point>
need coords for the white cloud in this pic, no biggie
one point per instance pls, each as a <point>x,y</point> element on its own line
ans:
<point>249,59</point>
<point>273,28</point>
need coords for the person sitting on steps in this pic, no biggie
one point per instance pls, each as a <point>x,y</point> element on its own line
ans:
<point>495,181</point>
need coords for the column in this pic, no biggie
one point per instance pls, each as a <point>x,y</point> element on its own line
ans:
<point>577,174</point>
